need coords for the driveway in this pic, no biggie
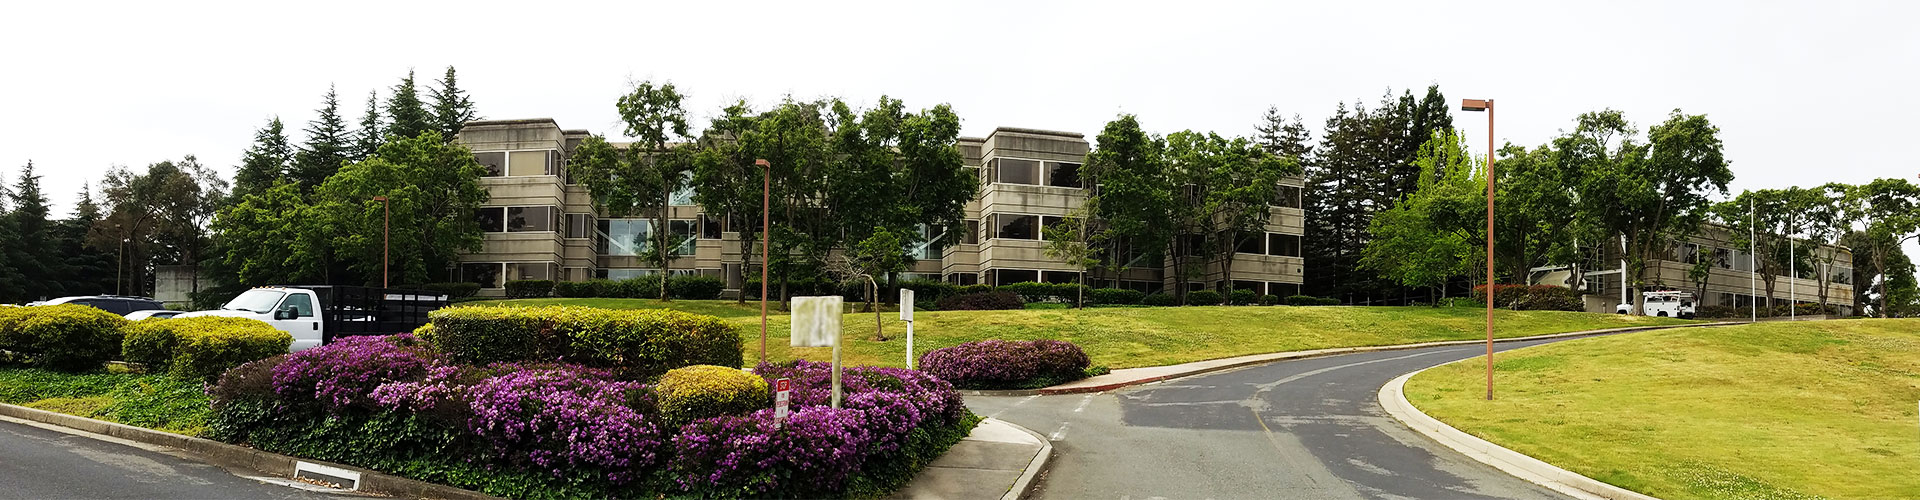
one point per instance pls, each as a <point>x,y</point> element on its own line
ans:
<point>37,463</point>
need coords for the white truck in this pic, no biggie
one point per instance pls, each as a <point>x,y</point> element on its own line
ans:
<point>317,314</point>
<point>1666,304</point>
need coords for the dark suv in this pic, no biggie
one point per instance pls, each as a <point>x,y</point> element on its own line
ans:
<point>117,304</point>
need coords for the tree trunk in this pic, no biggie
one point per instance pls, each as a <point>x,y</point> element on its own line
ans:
<point>663,256</point>
<point>873,302</point>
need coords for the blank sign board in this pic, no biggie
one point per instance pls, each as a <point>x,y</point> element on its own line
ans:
<point>815,321</point>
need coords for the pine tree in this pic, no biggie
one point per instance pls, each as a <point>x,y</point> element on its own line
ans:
<point>1283,138</point>
<point>38,268</point>
<point>451,107</point>
<point>12,282</point>
<point>367,141</point>
<point>89,270</point>
<point>266,162</point>
<point>327,144</point>
<point>409,116</point>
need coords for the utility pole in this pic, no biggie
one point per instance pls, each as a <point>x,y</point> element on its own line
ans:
<point>766,218</point>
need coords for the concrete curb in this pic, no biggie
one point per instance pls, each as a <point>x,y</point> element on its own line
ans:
<point>239,458</point>
<point>1025,483</point>
<point>1214,365</point>
<point>1393,398</point>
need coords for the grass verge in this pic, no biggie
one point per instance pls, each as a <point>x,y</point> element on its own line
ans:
<point>154,401</point>
<point>1131,337</point>
<point>1782,410</point>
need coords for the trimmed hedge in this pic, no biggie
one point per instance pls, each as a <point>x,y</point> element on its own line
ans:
<point>695,287</point>
<point>1532,298</point>
<point>65,337</point>
<point>201,348</point>
<point>982,301</point>
<point>1270,300</point>
<point>1007,364</point>
<point>695,392</point>
<point>1309,300</point>
<point>529,289</point>
<point>453,290</point>
<point>1158,299</point>
<point>635,343</point>
<point>1243,297</point>
<point>1203,298</point>
<point>1114,296</point>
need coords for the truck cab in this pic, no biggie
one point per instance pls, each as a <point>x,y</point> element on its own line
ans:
<point>317,314</point>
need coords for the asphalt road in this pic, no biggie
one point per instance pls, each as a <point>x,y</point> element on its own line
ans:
<point>37,463</point>
<point>1307,429</point>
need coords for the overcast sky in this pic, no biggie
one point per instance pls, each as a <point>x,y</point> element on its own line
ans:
<point>1804,92</point>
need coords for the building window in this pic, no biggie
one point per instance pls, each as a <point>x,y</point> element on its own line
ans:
<point>1048,222</point>
<point>930,247</point>
<point>1060,276</point>
<point>491,219</point>
<point>1017,227</point>
<point>1723,258</point>
<point>1283,290</point>
<point>1287,197</point>
<point>622,274</point>
<point>540,271</point>
<point>1841,276</point>
<point>1253,244</point>
<point>485,274</point>
<point>1061,174</point>
<point>1011,276</point>
<point>963,279</point>
<point>973,233</point>
<point>710,227</point>
<point>526,163</point>
<point>1284,245</point>
<point>1011,171</point>
<point>632,237</point>
<point>578,224</point>
<point>684,195</point>
<point>529,219</point>
<point>1259,287</point>
<point>494,161</point>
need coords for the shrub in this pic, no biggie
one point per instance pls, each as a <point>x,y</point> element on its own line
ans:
<point>1030,291</point>
<point>1203,298</point>
<point>1326,301</point>
<point>342,374</point>
<point>926,290</point>
<point>634,343</point>
<point>453,290</point>
<point>65,337</point>
<point>1114,296</point>
<point>527,289</point>
<point>1004,364</point>
<point>704,391</point>
<point>966,289</point>
<point>1270,300</point>
<point>695,287</point>
<point>574,289</point>
<point>983,301</point>
<point>1157,299</point>
<point>1243,297</point>
<point>563,420</point>
<point>202,348</point>
<point>1068,292</point>
<point>1532,298</point>
<point>638,287</point>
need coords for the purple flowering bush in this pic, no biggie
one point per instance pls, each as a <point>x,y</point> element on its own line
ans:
<point>560,420</point>
<point>346,372</point>
<point>1007,364</point>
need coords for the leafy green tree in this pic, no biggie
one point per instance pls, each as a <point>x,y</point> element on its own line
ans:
<point>796,138</point>
<point>1889,212</point>
<point>1073,240</point>
<point>328,147</point>
<point>156,217</point>
<point>1758,220</point>
<point>372,132</point>
<point>452,109</point>
<point>434,189</point>
<point>273,237</point>
<point>1826,221</point>
<point>1654,193</point>
<point>897,170</point>
<point>266,162</point>
<point>730,183</point>
<point>1229,187</point>
<point>407,116</point>
<point>641,178</point>
<point>883,252</point>
<point>1135,201</point>
<point>1434,234</point>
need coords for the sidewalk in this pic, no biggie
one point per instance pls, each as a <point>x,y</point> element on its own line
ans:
<point>997,461</point>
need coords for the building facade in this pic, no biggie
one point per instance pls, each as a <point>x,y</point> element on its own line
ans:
<point>541,225</point>
<point>1729,280</point>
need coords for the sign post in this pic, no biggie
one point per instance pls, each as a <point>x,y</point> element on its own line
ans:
<point>906,314</point>
<point>816,323</point>
<point>782,391</point>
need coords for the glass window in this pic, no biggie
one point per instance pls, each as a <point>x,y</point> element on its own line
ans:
<point>1017,171</point>
<point>554,164</point>
<point>1050,221</point>
<point>625,237</point>
<point>1259,287</point>
<point>1284,245</point>
<point>1252,243</point>
<point>1723,258</point>
<point>1019,227</point>
<point>621,274</point>
<point>930,246</point>
<point>528,219</point>
<point>1011,276</point>
<point>1063,174</point>
<point>1287,197</point>
<point>301,304</point>
<point>490,218</point>
<point>684,195</point>
<point>681,231</point>
<point>973,232</point>
<point>1841,276</point>
<point>258,301</point>
<point>577,225</point>
<point>540,271</point>
<point>963,279</point>
<point>486,274</point>
<point>495,161</point>
<point>1060,276</point>
<point>710,227</point>
<point>527,163</point>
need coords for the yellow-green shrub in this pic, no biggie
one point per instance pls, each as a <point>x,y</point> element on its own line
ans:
<point>701,391</point>
<point>637,344</point>
<point>65,337</point>
<point>202,348</point>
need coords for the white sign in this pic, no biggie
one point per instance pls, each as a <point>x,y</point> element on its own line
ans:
<point>815,321</point>
<point>906,304</point>
<point>782,391</point>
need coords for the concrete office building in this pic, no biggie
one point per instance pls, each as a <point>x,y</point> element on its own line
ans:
<point>1730,280</point>
<point>540,225</point>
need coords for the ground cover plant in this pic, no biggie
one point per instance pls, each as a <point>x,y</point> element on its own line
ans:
<point>1129,337</point>
<point>1780,410</point>
<point>153,401</point>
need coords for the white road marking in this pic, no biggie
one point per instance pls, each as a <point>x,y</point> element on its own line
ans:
<point>1015,405</point>
<point>1059,434</point>
<point>1083,403</point>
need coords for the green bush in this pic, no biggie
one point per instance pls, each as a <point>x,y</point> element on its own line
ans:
<point>695,287</point>
<point>1114,296</point>
<point>966,289</point>
<point>573,289</point>
<point>1030,291</point>
<point>528,289</point>
<point>982,301</point>
<point>453,290</point>
<point>1532,298</point>
<point>65,337</point>
<point>1203,298</point>
<point>202,348</point>
<point>926,290</point>
<point>638,287</point>
<point>635,343</point>
<point>1270,300</point>
<point>1302,300</point>
<point>701,391</point>
<point>1243,297</point>
<point>1158,299</point>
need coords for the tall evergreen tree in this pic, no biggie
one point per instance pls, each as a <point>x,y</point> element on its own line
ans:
<point>327,144</point>
<point>12,282</point>
<point>409,116</point>
<point>89,270</point>
<point>1282,137</point>
<point>38,268</point>
<point>371,134</point>
<point>451,107</point>
<point>268,161</point>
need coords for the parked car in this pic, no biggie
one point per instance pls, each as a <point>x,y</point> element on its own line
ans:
<point>117,304</point>
<point>153,313</point>
<point>317,314</point>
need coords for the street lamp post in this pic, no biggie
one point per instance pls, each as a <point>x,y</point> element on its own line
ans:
<point>766,216</point>
<point>120,267</point>
<point>386,237</point>
<point>1487,106</point>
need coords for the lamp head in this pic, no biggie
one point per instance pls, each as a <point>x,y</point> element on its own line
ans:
<point>762,164</point>
<point>1475,104</point>
<point>379,198</point>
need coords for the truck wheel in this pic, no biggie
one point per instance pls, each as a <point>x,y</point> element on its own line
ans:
<point>1663,314</point>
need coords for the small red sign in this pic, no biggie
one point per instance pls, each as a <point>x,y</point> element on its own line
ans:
<point>783,385</point>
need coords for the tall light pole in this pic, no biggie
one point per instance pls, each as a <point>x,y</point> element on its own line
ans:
<point>1753,269</point>
<point>120,268</point>
<point>1487,106</point>
<point>386,237</point>
<point>766,224</point>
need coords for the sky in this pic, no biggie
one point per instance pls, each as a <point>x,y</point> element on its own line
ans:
<point>1804,93</point>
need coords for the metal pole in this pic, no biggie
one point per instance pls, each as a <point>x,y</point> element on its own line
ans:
<point>120,267</point>
<point>1623,274</point>
<point>1490,280</point>
<point>766,211</point>
<point>1753,269</point>
<point>1793,273</point>
<point>386,241</point>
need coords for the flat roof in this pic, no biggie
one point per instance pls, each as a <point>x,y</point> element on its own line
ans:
<point>523,121</point>
<point>1036,131</point>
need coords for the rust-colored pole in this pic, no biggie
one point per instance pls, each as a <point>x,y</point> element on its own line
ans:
<point>1490,279</point>
<point>386,237</point>
<point>766,211</point>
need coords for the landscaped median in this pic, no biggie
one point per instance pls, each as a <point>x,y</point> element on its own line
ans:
<point>1772,410</point>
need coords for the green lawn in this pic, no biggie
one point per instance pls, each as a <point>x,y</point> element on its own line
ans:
<point>1129,337</point>
<point>153,401</point>
<point>1773,410</point>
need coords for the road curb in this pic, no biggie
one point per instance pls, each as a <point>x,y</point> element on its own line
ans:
<point>233,457</point>
<point>1025,483</point>
<point>1256,359</point>
<point>1393,398</point>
